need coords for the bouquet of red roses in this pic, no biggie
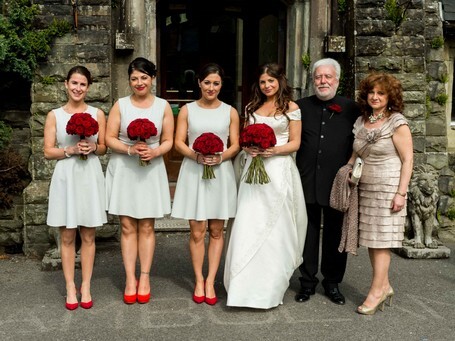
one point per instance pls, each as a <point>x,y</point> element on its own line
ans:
<point>208,144</point>
<point>262,136</point>
<point>141,129</point>
<point>84,125</point>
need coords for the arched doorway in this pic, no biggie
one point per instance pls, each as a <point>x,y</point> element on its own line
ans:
<point>238,35</point>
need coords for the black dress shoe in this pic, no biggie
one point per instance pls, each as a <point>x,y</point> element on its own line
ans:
<point>335,295</point>
<point>304,294</point>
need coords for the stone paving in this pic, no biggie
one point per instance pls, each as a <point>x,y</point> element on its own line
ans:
<point>32,303</point>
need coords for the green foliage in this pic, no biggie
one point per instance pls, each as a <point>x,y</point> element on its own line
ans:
<point>5,135</point>
<point>306,61</point>
<point>396,12</point>
<point>437,42</point>
<point>452,193</point>
<point>444,78</point>
<point>22,43</point>
<point>342,6</point>
<point>427,106</point>
<point>48,80</point>
<point>451,214</point>
<point>441,99</point>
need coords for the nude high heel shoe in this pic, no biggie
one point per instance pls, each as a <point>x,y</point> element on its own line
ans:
<point>389,296</point>
<point>364,310</point>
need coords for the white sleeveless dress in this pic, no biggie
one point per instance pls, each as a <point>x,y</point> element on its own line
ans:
<point>131,189</point>
<point>76,193</point>
<point>268,234</point>
<point>197,198</point>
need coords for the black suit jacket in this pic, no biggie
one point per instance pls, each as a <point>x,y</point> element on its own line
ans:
<point>326,144</point>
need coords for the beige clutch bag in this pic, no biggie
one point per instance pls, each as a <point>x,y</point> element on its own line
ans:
<point>357,170</point>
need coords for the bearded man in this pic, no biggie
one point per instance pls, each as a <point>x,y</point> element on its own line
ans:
<point>326,145</point>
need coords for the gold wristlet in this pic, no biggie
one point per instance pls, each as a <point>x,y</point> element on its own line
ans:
<point>402,194</point>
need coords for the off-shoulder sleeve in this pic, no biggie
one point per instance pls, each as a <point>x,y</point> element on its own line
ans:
<point>295,115</point>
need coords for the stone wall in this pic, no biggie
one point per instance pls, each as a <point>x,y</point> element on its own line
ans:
<point>88,45</point>
<point>406,51</point>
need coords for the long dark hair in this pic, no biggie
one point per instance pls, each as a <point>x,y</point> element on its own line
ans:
<point>142,65</point>
<point>283,96</point>
<point>82,70</point>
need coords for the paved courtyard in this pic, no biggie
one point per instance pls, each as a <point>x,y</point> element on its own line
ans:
<point>32,303</point>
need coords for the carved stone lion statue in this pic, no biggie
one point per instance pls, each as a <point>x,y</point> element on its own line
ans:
<point>422,206</point>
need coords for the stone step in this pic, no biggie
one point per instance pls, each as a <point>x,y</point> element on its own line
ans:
<point>169,224</point>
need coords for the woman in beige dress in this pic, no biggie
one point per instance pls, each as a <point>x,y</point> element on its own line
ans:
<point>383,140</point>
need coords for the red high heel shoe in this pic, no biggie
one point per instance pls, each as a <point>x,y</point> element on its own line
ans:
<point>87,305</point>
<point>211,300</point>
<point>71,306</point>
<point>198,299</point>
<point>131,299</point>
<point>143,298</point>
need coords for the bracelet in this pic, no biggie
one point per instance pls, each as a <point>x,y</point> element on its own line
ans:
<point>221,159</point>
<point>402,194</point>
<point>96,148</point>
<point>65,153</point>
<point>128,151</point>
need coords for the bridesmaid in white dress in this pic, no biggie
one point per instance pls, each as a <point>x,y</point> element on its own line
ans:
<point>76,193</point>
<point>206,200</point>
<point>138,194</point>
<point>268,233</point>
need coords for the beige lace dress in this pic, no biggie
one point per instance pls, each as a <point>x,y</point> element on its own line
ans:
<point>379,227</point>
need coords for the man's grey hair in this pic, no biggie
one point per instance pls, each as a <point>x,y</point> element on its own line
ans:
<point>327,61</point>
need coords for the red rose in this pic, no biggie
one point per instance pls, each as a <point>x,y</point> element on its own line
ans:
<point>208,144</point>
<point>82,124</point>
<point>142,129</point>
<point>335,108</point>
<point>258,135</point>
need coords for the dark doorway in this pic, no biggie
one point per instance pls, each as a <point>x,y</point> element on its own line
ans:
<point>238,35</point>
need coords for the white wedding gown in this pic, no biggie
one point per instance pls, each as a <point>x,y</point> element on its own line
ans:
<point>267,237</point>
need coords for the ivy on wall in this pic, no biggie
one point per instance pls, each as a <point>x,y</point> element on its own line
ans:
<point>23,43</point>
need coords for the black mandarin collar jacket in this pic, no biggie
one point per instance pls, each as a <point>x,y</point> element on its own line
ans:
<point>326,144</point>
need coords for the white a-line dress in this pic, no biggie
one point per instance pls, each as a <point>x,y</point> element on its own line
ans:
<point>197,198</point>
<point>268,234</point>
<point>133,190</point>
<point>76,193</point>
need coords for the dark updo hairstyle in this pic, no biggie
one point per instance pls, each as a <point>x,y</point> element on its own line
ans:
<point>142,65</point>
<point>283,96</point>
<point>389,84</point>
<point>82,70</point>
<point>208,69</point>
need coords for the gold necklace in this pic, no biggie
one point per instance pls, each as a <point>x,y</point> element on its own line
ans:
<point>374,119</point>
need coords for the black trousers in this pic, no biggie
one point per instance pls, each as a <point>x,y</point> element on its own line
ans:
<point>333,263</point>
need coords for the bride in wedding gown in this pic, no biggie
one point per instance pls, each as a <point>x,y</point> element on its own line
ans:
<point>268,234</point>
